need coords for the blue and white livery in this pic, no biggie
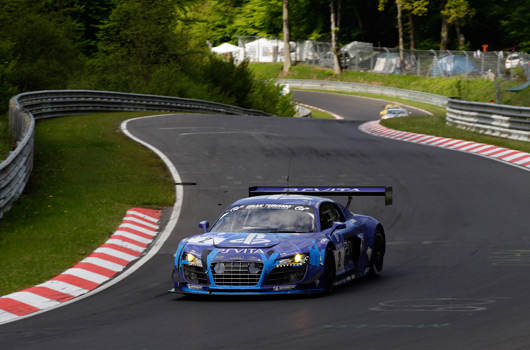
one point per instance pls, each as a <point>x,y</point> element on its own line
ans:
<point>283,240</point>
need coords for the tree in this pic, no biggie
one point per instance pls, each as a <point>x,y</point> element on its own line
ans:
<point>457,12</point>
<point>516,24</point>
<point>454,12</point>
<point>43,44</point>
<point>414,8</point>
<point>399,6</point>
<point>137,38</point>
<point>335,28</point>
<point>286,37</point>
<point>259,17</point>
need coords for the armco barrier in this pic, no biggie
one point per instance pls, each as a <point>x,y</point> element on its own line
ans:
<point>25,108</point>
<point>424,97</point>
<point>492,119</point>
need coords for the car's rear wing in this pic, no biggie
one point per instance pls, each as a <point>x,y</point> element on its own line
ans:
<point>349,191</point>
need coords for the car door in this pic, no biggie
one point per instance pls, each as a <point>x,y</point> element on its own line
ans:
<point>329,213</point>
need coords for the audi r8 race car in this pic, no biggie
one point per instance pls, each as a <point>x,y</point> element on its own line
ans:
<point>282,240</point>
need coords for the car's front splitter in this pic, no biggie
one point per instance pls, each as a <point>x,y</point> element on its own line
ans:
<point>188,288</point>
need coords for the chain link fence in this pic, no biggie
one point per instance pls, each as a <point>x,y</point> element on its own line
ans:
<point>364,57</point>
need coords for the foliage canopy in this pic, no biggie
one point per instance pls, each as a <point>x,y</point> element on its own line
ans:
<point>160,47</point>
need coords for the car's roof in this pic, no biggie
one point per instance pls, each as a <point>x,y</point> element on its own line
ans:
<point>295,199</point>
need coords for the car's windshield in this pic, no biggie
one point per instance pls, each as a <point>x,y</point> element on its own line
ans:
<point>268,218</point>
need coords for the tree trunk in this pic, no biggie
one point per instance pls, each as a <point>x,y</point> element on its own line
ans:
<point>445,30</point>
<point>400,30</point>
<point>334,35</point>
<point>286,37</point>
<point>411,33</point>
<point>460,36</point>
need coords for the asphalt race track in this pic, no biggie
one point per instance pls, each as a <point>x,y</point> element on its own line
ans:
<point>456,269</point>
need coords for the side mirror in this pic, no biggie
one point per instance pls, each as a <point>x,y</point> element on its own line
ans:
<point>204,225</point>
<point>338,226</point>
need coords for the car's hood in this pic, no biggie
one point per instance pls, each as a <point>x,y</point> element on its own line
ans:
<point>283,243</point>
<point>245,240</point>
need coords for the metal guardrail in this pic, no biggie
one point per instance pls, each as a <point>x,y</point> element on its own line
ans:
<point>491,119</point>
<point>25,108</point>
<point>424,97</point>
<point>15,170</point>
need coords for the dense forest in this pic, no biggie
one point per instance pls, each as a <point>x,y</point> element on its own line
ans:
<point>160,47</point>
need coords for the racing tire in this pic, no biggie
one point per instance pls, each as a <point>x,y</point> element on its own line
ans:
<point>378,254</point>
<point>329,272</point>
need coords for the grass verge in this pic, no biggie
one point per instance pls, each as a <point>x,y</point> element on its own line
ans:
<point>481,90</point>
<point>317,114</point>
<point>86,175</point>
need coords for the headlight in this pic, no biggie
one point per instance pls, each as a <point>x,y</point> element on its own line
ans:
<point>297,260</point>
<point>192,260</point>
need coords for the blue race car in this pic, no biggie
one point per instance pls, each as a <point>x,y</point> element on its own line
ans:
<point>282,240</point>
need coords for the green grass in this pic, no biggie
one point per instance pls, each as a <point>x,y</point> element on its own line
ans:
<point>481,90</point>
<point>86,175</point>
<point>315,113</point>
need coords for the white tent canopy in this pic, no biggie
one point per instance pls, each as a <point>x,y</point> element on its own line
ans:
<point>226,48</point>
<point>238,53</point>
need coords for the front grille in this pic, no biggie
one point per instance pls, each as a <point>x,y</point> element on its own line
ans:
<point>286,275</point>
<point>236,273</point>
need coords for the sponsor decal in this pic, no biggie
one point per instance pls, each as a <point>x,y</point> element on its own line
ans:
<point>322,189</point>
<point>282,288</point>
<point>201,240</point>
<point>237,257</point>
<point>241,251</point>
<point>251,239</point>
<point>274,206</point>
<point>300,208</point>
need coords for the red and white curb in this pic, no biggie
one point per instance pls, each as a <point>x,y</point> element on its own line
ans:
<point>505,155</point>
<point>129,241</point>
